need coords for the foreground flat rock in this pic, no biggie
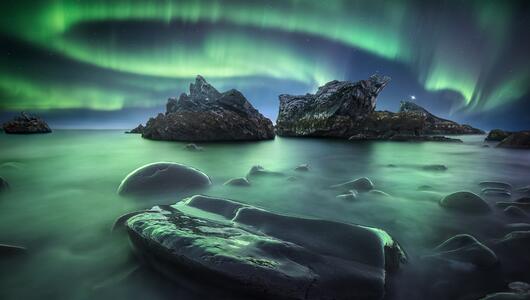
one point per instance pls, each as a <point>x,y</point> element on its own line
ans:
<point>209,115</point>
<point>250,250</point>
<point>161,178</point>
<point>26,124</point>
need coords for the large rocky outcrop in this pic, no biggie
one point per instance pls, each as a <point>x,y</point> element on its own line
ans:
<point>344,109</point>
<point>498,135</point>
<point>519,140</point>
<point>334,111</point>
<point>237,247</point>
<point>25,124</point>
<point>209,115</point>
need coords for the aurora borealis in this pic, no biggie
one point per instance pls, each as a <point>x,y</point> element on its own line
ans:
<point>466,58</point>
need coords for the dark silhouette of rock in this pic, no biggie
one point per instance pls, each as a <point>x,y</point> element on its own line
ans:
<point>520,140</point>
<point>496,184</point>
<point>241,181</point>
<point>4,186</point>
<point>208,115</point>
<point>523,200</point>
<point>434,168</point>
<point>466,249</point>
<point>138,129</point>
<point>518,291</point>
<point>254,251</point>
<point>504,204</point>
<point>425,187</point>
<point>496,193</point>
<point>11,250</point>
<point>513,252</point>
<point>436,125</point>
<point>361,184</point>
<point>515,212</point>
<point>26,124</point>
<point>302,168</point>
<point>162,177</point>
<point>350,196</point>
<point>333,111</point>
<point>193,147</point>
<point>258,170</point>
<point>497,135</point>
<point>465,202</point>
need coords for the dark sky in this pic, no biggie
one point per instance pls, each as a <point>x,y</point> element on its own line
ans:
<point>112,64</point>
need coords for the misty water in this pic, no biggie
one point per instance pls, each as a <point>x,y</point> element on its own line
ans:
<point>63,202</point>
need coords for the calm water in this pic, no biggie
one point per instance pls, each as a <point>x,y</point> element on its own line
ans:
<point>63,201</point>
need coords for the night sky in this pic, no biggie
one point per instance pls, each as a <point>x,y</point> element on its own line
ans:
<point>112,64</point>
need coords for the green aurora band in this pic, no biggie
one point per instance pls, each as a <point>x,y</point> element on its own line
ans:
<point>378,28</point>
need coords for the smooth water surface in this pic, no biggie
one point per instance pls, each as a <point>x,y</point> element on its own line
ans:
<point>63,201</point>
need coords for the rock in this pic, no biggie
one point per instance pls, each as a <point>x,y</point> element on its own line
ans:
<point>208,115</point>
<point>465,248</point>
<point>524,189</point>
<point>504,204</point>
<point>332,112</point>
<point>292,178</point>
<point>497,135</point>
<point>496,193</point>
<point>515,212</point>
<point>379,193</point>
<point>194,148</point>
<point>523,200</point>
<point>518,226</point>
<point>434,124</point>
<point>519,140</point>
<point>465,202</point>
<point>4,186</point>
<point>519,291</point>
<point>11,250</point>
<point>513,252</point>
<point>26,123</point>
<point>361,184</point>
<point>139,129</point>
<point>120,221</point>
<point>254,251</point>
<point>350,196</point>
<point>241,181</point>
<point>163,177</point>
<point>425,188</point>
<point>434,168</point>
<point>302,168</point>
<point>496,184</point>
<point>485,146</point>
<point>257,170</point>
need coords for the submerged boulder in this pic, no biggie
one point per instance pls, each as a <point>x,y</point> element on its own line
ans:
<point>362,184</point>
<point>496,185</point>
<point>240,181</point>
<point>465,248</point>
<point>11,250</point>
<point>515,212</point>
<point>4,186</point>
<point>26,123</point>
<point>209,115</point>
<point>302,168</point>
<point>163,177</point>
<point>467,202</point>
<point>242,248</point>
<point>193,147</point>
<point>518,291</point>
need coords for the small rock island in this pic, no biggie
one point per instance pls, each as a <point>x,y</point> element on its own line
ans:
<point>208,115</point>
<point>26,124</point>
<point>345,109</point>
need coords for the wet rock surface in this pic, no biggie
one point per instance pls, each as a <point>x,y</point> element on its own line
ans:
<point>162,178</point>
<point>344,109</point>
<point>520,140</point>
<point>465,248</point>
<point>250,250</point>
<point>138,129</point>
<point>26,124</point>
<point>7,251</point>
<point>241,181</point>
<point>361,184</point>
<point>206,114</point>
<point>4,186</point>
<point>466,202</point>
<point>497,135</point>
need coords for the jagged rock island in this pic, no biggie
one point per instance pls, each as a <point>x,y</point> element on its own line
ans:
<point>209,115</point>
<point>26,124</point>
<point>345,109</point>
